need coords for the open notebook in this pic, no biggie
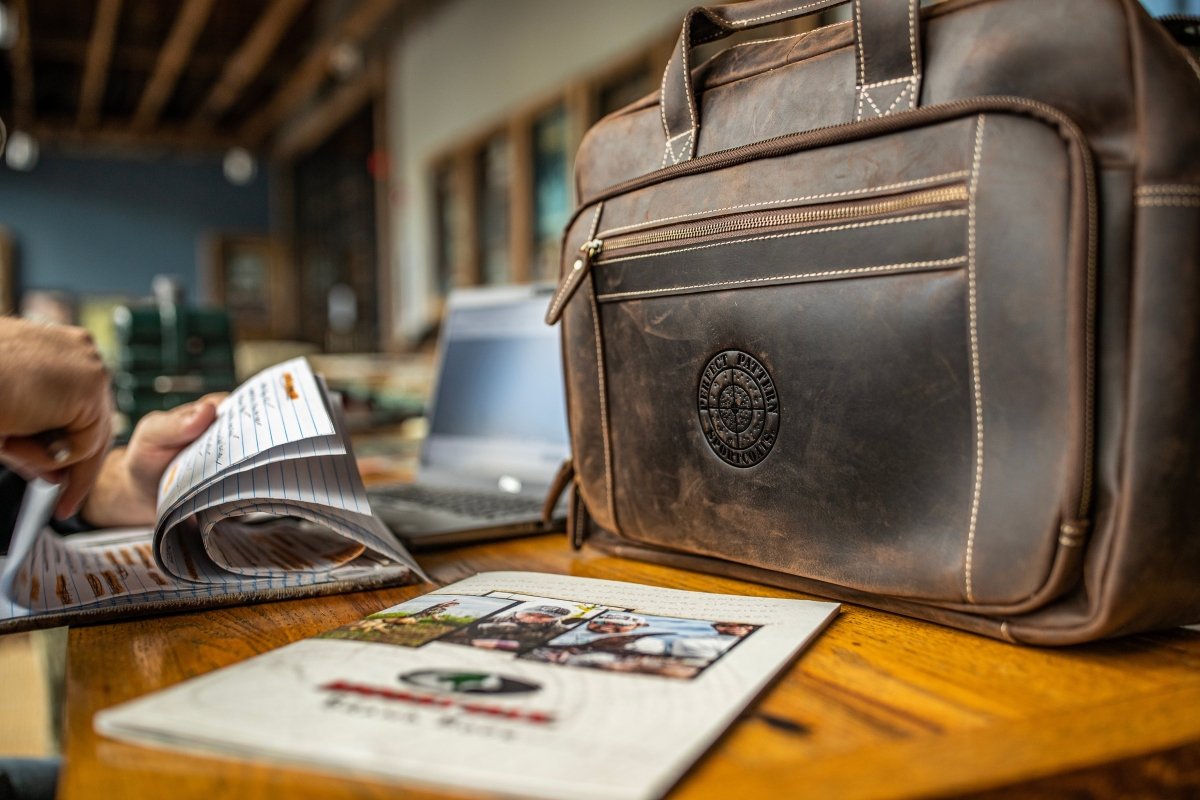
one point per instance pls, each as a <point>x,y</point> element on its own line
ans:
<point>266,504</point>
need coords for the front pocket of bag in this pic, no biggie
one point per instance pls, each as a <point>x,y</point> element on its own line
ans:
<point>879,393</point>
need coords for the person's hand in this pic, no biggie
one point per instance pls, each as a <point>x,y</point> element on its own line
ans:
<point>55,406</point>
<point>126,493</point>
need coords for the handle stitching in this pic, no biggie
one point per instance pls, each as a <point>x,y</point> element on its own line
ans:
<point>795,10</point>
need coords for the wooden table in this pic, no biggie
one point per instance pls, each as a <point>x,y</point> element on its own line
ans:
<point>879,706</point>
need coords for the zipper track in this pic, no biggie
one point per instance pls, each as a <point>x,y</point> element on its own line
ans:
<point>752,222</point>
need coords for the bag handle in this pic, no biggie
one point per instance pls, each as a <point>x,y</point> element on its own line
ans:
<point>888,76</point>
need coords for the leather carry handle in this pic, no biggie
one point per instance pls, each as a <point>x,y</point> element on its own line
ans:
<point>887,80</point>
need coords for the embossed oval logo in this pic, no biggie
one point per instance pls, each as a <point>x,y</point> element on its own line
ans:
<point>739,408</point>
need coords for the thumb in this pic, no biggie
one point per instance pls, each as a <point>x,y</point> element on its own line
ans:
<point>171,430</point>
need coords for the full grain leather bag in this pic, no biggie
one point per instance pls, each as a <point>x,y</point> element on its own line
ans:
<point>901,311</point>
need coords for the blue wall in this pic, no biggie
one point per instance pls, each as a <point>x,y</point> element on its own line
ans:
<point>109,225</point>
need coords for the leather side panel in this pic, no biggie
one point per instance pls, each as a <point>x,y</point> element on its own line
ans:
<point>1031,404</point>
<point>1149,575</point>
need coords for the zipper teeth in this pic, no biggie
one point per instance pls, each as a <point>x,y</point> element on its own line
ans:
<point>749,223</point>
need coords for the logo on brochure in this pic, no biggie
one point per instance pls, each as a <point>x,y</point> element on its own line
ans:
<point>460,682</point>
<point>739,408</point>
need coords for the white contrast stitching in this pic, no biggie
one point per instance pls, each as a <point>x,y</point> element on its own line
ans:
<point>826,196</point>
<point>795,10</point>
<point>871,100</point>
<point>1168,188</point>
<point>898,98</point>
<point>1178,202</point>
<point>789,234</point>
<point>861,54</point>
<point>662,100</point>
<point>563,290</point>
<point>912,36</point>
<point>977,389</point>
<point>687,88</point>
<point>940,263</point>
<point>858,44</point>
<point>905,79</point>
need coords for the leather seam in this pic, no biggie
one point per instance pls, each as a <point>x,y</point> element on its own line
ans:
<point>662,108</point>
<point>1180,201</point>
<point>688,91</point>
<point>861,55</point>
<point>795,10</point>
<point>946,176</point>
<point>977,388</point>
<point>913,12</point>
<point>789,234</point>
<point>1167,188</point>
<point>940,263</point>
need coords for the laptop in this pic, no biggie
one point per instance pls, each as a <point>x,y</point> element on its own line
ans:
<point>497,425</point>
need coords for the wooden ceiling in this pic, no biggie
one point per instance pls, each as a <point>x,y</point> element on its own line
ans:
<point>181,74</point>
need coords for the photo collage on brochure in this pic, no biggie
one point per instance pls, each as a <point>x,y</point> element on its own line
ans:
<point>552,631</point>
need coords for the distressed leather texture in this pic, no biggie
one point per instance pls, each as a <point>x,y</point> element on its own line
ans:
<point>901,311</point>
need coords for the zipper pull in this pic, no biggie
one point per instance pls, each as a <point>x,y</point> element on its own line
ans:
<point>574,277</point>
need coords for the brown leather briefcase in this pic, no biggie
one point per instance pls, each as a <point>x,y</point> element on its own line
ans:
<point>901,311</point>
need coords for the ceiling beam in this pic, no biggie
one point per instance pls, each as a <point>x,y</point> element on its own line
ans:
<point>354,29</point>
<point>22,68</point>
<point>245,64</point>
<point>319,123</point>
<point>133,57</point>
<point>171,61</point>
<point>99,56</point>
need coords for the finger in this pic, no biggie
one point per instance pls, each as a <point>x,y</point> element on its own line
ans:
<point>80,479</point>
<point>34,455</point>
<point>166,430</point>
<point>17,466</point>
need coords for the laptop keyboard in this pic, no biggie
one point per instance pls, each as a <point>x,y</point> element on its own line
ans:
<point>482,505</point>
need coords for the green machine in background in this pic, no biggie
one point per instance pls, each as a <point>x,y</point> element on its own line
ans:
<point>168,353</point>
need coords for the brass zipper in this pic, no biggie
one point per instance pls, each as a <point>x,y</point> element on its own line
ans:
<point>948,194</point>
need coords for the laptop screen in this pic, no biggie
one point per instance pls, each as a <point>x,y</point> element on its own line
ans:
<point>498,406</point>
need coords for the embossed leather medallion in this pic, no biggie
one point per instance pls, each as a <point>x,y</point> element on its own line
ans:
<point>739,408</point>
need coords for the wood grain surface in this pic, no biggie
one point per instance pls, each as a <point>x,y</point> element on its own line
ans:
<point>879,706</point>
